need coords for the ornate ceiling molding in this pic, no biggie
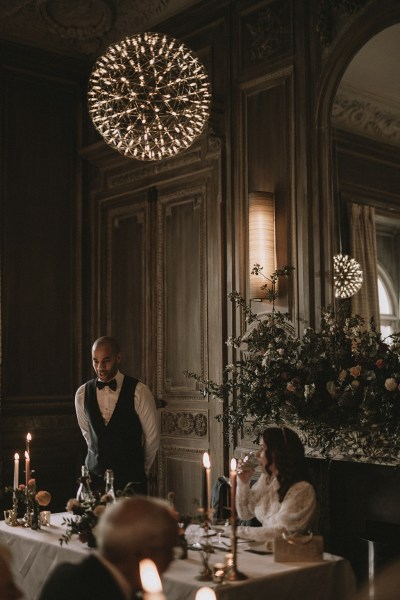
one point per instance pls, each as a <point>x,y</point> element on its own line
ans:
<point>81,27</point>
<point>76,19</point>
<point>361,116</point>
<point>10,7</point>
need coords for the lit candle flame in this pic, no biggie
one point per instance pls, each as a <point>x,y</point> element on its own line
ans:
<point>205,593</point>
<point>16,456</point>
<point>149,576</point>
<point>26,455</point>
<point>206,460</point>
<point>28,437</point>
<point>233,464</point>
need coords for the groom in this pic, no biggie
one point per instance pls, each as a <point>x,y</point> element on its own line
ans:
<point>118,419</point>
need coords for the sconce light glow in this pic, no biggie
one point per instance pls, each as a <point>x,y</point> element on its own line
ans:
<point>261,240</point>
<point>347,276</point>
<point>149,96</point>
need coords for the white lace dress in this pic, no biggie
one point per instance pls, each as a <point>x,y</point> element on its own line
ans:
<point>293,515</point>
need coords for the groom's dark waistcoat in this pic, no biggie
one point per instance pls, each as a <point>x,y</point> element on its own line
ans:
<point>117,445</point>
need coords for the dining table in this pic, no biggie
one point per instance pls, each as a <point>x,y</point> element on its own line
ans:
<point>36,552</point>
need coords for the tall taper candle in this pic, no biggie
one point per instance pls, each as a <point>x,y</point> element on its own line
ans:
<point>27,468</point>
<point>207,466</point>
<point>233,574</point>
<point>233,492</point>
<point>16,470</point>
<point>28,441</point>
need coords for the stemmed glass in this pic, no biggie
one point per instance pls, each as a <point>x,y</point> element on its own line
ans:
<point>247,461</point>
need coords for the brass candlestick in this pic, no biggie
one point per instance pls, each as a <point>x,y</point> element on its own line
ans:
<point>232,572</point>
<point>14,514</point>
<point>206,573</point>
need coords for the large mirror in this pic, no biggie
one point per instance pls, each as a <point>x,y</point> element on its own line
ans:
<point>366,170</point>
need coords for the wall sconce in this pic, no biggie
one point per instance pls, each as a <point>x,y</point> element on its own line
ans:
<point>261,240</point>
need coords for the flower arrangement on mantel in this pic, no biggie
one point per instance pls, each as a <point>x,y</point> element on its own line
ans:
<point>339,386</point>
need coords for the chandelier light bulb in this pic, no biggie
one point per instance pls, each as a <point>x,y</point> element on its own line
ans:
<point>149,96</point>
<point>347,276</point>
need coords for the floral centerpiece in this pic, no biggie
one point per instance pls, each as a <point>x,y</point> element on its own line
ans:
<point>86,513</point>
<point>30,502</point>
<point>338,385</point>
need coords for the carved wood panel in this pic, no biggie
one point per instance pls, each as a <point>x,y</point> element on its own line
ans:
<point>180,268</point>
<point>157,244</point>
<point>127,282</point>
<point>181,473</point>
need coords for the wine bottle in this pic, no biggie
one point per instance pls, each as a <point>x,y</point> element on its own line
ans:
<point>84,493</point>
<point>109,477</point>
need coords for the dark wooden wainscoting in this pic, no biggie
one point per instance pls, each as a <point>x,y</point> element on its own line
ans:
<point>359,502</point>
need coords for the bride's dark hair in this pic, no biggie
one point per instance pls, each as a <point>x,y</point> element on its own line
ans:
<point>285,449</point>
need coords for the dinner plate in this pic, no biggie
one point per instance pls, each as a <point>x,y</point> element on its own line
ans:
<point>258,548</point>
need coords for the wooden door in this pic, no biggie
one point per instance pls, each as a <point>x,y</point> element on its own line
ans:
<point>157,252</point>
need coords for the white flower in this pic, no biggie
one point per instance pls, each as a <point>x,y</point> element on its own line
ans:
<point>331,387</point>
<point>391,384</point>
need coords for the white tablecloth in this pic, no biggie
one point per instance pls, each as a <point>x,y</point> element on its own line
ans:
<point>35,553</point>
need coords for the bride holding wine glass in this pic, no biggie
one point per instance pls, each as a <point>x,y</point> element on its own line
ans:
<point>282,499</point>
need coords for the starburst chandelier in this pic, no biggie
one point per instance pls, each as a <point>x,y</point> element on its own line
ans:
<point>149,96</point>
<point>347,276</point>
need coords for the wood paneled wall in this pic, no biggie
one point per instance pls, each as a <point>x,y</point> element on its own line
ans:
<point>41,267</point>
<point>158,236</point>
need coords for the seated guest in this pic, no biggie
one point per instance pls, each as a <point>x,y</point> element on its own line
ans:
<point>128,531</point>
<point>282,500</point>
<point>8,588</point>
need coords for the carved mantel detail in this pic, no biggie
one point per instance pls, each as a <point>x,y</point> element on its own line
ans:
<point>331,12</point>
<point>183,423</point>
<point>267,32</point>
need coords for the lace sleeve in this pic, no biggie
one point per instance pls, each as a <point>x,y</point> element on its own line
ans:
<point>244,500</point>
<point>293,515</point>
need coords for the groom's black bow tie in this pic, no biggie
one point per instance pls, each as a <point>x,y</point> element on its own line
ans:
<point>112,384</point>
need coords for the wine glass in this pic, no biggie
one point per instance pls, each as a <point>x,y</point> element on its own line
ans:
<point>247,461</point>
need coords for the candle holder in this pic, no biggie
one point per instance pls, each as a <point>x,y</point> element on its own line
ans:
<point>10,516</point>
<point>14,512</point>
<point>232,572</point>
<point>206,573</point>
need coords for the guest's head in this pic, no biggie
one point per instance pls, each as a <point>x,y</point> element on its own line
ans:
<point>8,588</point>
<point>137,528</point>
<point>106,357</point>
<point>282,454</point>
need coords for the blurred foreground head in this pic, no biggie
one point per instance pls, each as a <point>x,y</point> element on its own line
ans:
<point>8,588</point>
<point>137,528</point>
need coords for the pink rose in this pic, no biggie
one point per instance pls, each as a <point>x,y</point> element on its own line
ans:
<point>290,387</point>
<point>43,498</point>
<point>380,363</point>
<point>355,371</point>
<point>72,504</point>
